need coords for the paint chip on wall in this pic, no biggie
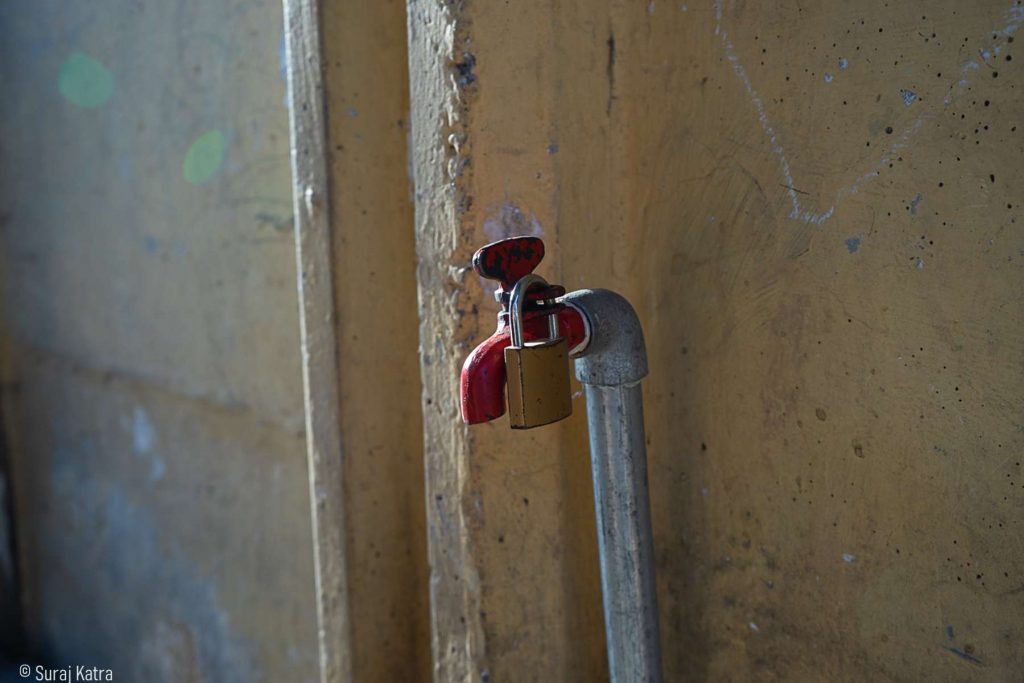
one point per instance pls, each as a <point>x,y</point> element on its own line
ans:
<point>914,202</point>
<point>143,434</point>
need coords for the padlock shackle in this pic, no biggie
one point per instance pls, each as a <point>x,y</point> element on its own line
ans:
<point>516,302</point>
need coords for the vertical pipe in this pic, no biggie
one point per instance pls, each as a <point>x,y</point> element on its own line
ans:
<point>618,457</point>
<point>611,366</point>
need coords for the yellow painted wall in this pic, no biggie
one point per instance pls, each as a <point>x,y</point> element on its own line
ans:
<point>814,207</point>
<point>152,388</point>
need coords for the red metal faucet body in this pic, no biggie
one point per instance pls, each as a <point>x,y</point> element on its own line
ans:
<point>482,385</point>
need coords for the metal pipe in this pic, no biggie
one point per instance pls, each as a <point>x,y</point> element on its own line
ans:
<point>611,367</point>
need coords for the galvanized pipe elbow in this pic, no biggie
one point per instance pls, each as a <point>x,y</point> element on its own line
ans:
<point>615,354</point>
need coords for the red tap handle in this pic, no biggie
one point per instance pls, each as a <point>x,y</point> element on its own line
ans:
<point>509,260</point>
<point>482,384</point>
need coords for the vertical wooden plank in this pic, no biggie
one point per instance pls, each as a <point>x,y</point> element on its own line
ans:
<point>356,255</point>
<point>373,254</point>
<point>313,241</point>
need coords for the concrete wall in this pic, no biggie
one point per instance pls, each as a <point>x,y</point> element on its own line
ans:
<point>152,386</point>
<point>816,208</point>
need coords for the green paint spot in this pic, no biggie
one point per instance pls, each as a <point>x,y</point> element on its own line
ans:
<point>204,157</point>
<point>85,82</point>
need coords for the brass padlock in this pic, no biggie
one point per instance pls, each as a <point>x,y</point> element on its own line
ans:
<point>538,371</point>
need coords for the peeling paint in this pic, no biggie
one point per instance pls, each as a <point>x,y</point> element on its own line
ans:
<point>134,556</point>
<point>143,434</point>
<point>465,76</point>
<point>510,221</point>
<point>914,202</point>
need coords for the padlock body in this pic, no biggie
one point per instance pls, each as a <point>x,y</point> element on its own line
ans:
<point>538,383</point>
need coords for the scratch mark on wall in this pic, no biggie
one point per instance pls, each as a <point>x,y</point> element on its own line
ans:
<point>796,212</point>
<point>964,656</point>
<point>282,57</point>
<point>611,72</point>
<point>1014,18</point>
